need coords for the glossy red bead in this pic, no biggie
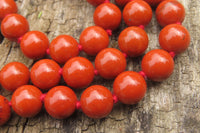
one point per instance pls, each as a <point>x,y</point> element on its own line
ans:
<point>174,38</point>
<point>153,2</point>
<point>78,72</point>
<point>170,12</point>
<point>107,16</point>
<point>93,39</point>
<point>95,2</point>
<point>7,7</point>
<point>34,44</point>
<point>130,87</point>
<point>96,101</point>
<point>110,62</point>
<point>136,13</point>
<point>14,75</point>
<point>133,41</point>
<point>26,101</point>
<point>14,26</point>
<point>5,110</point>
<point>45,74</point>
<point>62,48</point>
<point>158,65</point>
<point>60,102</point>
<point>122,2</point>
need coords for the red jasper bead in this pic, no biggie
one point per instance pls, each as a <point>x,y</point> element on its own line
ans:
<point>14,75</point>
<point>7,7</point>
<point>133,41</point>
<point>169,12</point>
<point>5,110</point>
<point>96,101</point>
<point>130,87</point>
<point>26,101</point>
<point>34,44</point>
<point>14,26</point>
<point>122,2</point>
<point>95,2</point>
<point>93,39</point>
<point>45,74</point>
<point>60,102</point>
<point>153,2</point>
<point>110,62</point>
<point>135,11</point>
<point>174,38</point>
<point>107,16</point>
<point>78,72</point>
<point>62,48</point>
<point>158,65</point>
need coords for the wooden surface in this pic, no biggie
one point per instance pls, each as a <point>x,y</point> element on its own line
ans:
<point>172,106</point>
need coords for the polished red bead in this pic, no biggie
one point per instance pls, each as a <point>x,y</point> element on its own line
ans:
<point>45,74</point>
<point>93,39</point>
<point>122,2</point>
<point>153,2</point>
<point>34,44</point>
<point>95,2</point>
<point>136,13</point>
<point>133,41</point>
<point>14,75</point>
<point>174,38</point>
<point>78,72</point>
<point>96,101</point>
<point>158,65</point>
<point>60,102</point>
<point>110,62</point>
<point>5,110</point>
<point>107,16</point>
<point>14,26</point>
<point>7,7</point>
<point>129,87</point>
<point>26,101</point>
<point>170,12</point>
<point>63,47</point>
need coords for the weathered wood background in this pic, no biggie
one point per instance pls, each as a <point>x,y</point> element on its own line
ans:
<point>172,106</point>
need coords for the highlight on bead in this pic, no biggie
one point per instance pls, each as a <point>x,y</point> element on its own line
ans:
<point>7,7</point>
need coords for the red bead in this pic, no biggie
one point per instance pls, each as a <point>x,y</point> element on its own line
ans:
<point>60,102</point>
<point>96,101</point>
<point>174,38</point>
<point>78,72</point>
<point>95,2</point>
<point>137,13</point>
<point>62,48</point>
<point>93,39</point>
<point>45,74</point>
<point>153,2</point>
<point>110,62</point>
<point>133,41</point>
<point>26,101</point>
<point>14,75</point>
<point>7,7</point>
<point>107,16</point>
<point>169,12</point>
<point>158,65</point>
<point>122,2</point>
<point>14,26</point>
<point>5,110</point>
<point>34,44</point>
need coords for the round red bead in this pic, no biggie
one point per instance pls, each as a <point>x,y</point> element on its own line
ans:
<point>130,87</point>
<point>14,26</point>
<point>78,72</point>
<point>169,12</point>
<point>122,2</point>
<point>133,41</point>
<point>153,2</point>
<point>107,16</point>
<point>96,101</point>
<point>110,62</point>
<point>174,38</point>
<point>5,110</point>
<point>158,65</point>
<point>60,102</point>
<point>137,13</point>
<point>45,74</point>
<point>34,44</point>
<point>95,2</point>
<point>93,39</point>
<point>14,75</point>
<point>7,7</point>
<point>26,101</point>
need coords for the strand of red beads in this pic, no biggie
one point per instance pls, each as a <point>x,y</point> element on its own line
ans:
<point>96,101</point>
